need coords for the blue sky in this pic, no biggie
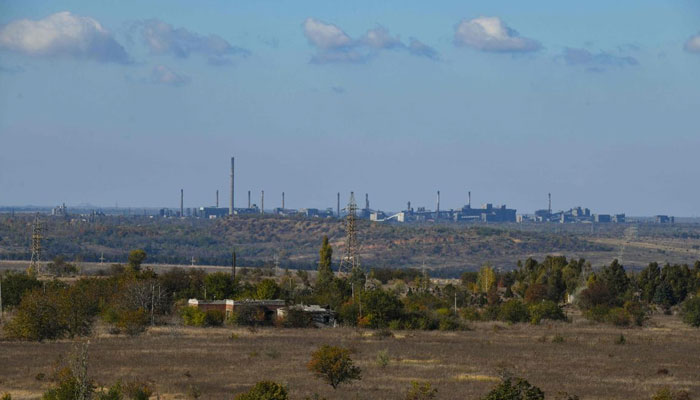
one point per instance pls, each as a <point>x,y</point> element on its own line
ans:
<point>128,101</point>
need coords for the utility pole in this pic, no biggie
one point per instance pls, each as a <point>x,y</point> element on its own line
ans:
<point>233,266</point>
<point>0,297</point>
<point>455,302</point>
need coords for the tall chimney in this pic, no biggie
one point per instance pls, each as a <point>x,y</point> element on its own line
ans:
<point>338,204</point>
<point>409,205</point>
<point>249,199</point>
<point>217,198</point>
<point>262,202</point>
<point>366,201</point>
<point>470,199</point>
<point>438,201</point>
<point>283,200</point>
<point>230,205</point>
<point>182,202</point>
<point>550,203</point>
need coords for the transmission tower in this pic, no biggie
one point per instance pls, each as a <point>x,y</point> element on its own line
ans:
<point>35,265</point>
<point>351,260</point>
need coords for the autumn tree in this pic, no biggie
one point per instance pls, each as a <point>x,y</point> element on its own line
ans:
<point>334,365</point>
<point>136,258</point>
<point>325,272</point>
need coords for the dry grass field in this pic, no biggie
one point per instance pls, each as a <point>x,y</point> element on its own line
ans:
<point>220,362</point>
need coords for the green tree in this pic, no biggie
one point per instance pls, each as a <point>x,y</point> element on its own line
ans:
<point>520,390</point>
<point>219,286</point>
<point>265,390</point>
<point>325,272</point>
<point>38,317</point>
<point>691,312</point>
<point>334,365</point>
<point>381,307</point>
<point>267,289</point>
<point>615,278</point>
<point>136,258</point>
<point>14,285</point>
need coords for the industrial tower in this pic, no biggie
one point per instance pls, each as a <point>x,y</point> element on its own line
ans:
<point>351,260</point>
<point>35,264</point>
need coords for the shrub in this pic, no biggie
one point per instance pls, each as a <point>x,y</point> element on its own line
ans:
<point>621,340</point>
<point>691,312</point>
<point>448,324</point>
<point>193,316</point>
<point>558,338</point>
<point>597,313</point>
<point>619,317</point>
<point>248,316</point>
<point>214,318</point>
<point>132,322</point>
<point>421,391</point>
<point>334,365</point>
<point>637,311</point>
<point>521,390</point>
<point>382,358</point>
<point>265,390</point>
<point>297,319</point>
<point>514,311</point>
<point>38,317</point>
<point>546,310</point>
<point>6,396</point>
<point>668,394</point>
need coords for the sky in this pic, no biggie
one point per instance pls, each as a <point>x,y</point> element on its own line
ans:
<point>126,102</point>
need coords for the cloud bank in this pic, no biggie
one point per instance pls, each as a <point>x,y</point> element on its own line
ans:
<point>333,45</point>
<point>493,35</point>
<point>596,62</point>
<point>63,35</point>
<point>693,44</point>
<point>163,38</point>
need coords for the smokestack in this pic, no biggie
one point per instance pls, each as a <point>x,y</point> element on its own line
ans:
<point>283,200</point>
<point>366,201</point>
<point>182,202</point>
<point>230,205</point>
<point>262,202</point>
<point>338,204</point>
<point>550,203</point>
<point>249,199</point>
<point>409,206</point>
<point>438,201</point>
<point>217,198</point>
<point>470,199</point>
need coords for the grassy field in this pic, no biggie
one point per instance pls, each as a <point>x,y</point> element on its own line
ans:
<point>583,359</point>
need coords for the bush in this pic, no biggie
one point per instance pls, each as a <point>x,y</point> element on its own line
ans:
<point>546,310</point>
<point>619,317</point>
<point>597,313</point>
<point>691,312</point>
<point>514,311</point>
<point>668,394</point>
<point>132,322</point>
<point>637,311</point>
<point>248,316</point>
<point>421,391</point>
<point>38,317</point>
<point>521,390</point>
<point>265,390</point>
<point>193,316</point>
<point>214,318</point>
<point>334,365</point>
<point>382,358</point>
<point>297,319</point>
<point>448,324</point>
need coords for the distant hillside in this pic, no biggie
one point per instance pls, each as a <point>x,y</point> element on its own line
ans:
<point>295,242</point>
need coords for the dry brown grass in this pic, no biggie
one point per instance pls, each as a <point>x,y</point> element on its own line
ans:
<point>462,365</point>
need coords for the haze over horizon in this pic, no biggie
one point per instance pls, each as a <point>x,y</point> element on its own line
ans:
<point>127,102</point>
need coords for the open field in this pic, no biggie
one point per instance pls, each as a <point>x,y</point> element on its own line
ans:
<point>462,365</point>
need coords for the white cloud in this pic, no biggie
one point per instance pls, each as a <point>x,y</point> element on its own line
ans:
<point>380,38</point>
<point>165,76</point>
<point>163,38</point>
<point>693,44</point>
<point>492,34</point>
<point>333,45</point>
<point>325,36</point>
<point>63,34</point>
